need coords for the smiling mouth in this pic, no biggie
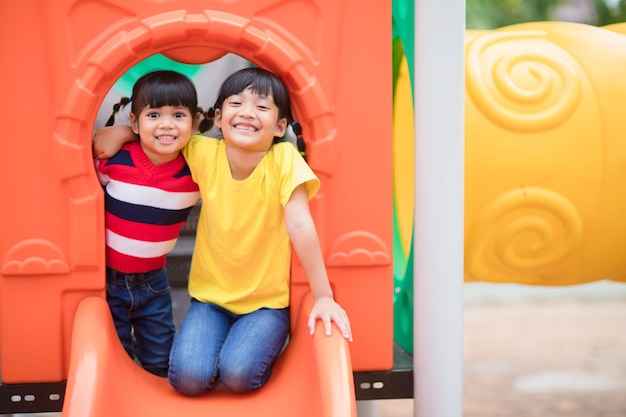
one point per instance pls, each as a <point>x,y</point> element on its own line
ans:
<point>166,139</point>
<point>246,128</point>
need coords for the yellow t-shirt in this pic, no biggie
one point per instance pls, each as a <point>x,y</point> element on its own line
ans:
<point>242,257</point>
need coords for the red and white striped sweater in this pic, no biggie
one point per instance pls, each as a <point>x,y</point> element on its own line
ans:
<point>146,205</point>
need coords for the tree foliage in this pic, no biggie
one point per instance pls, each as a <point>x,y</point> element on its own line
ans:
<point>492,14</point>
<point>609,12</point>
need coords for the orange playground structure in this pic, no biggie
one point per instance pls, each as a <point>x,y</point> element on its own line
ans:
<point>54,324</point>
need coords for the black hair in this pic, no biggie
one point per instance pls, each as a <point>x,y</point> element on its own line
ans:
<point>116,108</point>
<point>207,120</point>
<point>261,82</point>
<point>164,88</point>
<point>300,144</point>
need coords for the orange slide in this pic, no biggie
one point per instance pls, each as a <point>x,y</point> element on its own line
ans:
<point>313,377</point>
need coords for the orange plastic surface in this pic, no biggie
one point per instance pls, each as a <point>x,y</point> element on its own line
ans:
<point>313,377</point>
<point>334,57</point>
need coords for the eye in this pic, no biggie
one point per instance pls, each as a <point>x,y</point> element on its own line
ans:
<point>234,100</point>
<point>179,115</point>
<point>152,115</point>
<point>264,103</point>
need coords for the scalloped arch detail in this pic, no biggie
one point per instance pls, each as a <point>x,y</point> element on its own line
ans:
<point>358,248</point>
<point>35,257</point>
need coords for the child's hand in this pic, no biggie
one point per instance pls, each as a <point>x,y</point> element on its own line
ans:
<point>327,310</point>
<point>107,141</point>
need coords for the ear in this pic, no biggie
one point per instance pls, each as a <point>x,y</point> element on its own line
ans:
<point>217,119</point>
<point>134,123</point>
<point>281,127</point>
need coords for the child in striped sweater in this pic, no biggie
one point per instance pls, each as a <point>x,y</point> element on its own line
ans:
<point>149,193</point>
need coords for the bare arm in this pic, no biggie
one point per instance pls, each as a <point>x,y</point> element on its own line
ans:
<point>107,141</point>
<point>301,230</point>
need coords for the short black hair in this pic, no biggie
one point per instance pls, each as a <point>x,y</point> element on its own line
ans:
<point>164,88</point>
<point>261,82</point>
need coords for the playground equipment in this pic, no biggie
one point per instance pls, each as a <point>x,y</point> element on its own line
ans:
<point>544,160</point>
<point>52,271</point>
<point>545,100</point>
<point>544,173</point>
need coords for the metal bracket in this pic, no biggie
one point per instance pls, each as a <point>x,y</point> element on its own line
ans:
<point>32,398</point>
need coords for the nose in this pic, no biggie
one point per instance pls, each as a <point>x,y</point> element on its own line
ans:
<point>166,121</point>
<point>246,110</point>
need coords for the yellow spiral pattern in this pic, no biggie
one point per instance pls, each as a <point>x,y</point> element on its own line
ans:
<point>521,80</point>
<point>522,235</point>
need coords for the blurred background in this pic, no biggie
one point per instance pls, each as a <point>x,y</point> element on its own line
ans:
<point>544,351</point>
<point>491,14</point>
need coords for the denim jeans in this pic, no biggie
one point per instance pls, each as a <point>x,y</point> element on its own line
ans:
<point>214,345</point>
<point>141,305</point>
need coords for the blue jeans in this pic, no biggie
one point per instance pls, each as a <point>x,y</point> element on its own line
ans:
<point>141,305</point>
<point>214,345</point>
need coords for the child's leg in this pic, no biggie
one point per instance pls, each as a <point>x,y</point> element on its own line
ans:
<point>253,344</point>
<point>153,322</point>
<point>195,353</point>
<point>119,300</point>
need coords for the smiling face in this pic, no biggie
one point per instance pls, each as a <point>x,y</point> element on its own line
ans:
<point>250,121</point>
<point>164,113</point>
<point>163,131</point>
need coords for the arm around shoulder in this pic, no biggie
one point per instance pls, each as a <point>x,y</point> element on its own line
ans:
<point>107,141</point>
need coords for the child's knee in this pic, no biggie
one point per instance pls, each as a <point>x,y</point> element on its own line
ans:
<point>244,379</point>
<point>190,382</point>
